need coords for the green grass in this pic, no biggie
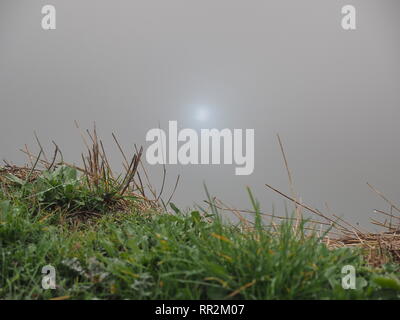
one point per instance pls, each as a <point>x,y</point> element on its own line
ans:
<point>158,255</point>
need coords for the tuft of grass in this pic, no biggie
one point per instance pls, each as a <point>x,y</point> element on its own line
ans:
<point>72,191</point>
<point>63,189</point>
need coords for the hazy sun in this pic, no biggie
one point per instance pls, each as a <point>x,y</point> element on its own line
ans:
<point>202,113</point>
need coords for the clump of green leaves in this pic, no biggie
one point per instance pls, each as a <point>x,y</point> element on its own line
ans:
<point>64,189</point>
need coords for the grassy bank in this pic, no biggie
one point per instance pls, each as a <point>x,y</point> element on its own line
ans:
<point>103,250</point>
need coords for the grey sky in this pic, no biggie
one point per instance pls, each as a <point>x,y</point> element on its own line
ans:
<point>277,66</point>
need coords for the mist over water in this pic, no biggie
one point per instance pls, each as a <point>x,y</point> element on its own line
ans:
<point>278,66</point>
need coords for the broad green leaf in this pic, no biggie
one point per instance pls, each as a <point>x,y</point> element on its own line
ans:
<point>175,208</point>
<point>388,282</point>
<point>15,179</point>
